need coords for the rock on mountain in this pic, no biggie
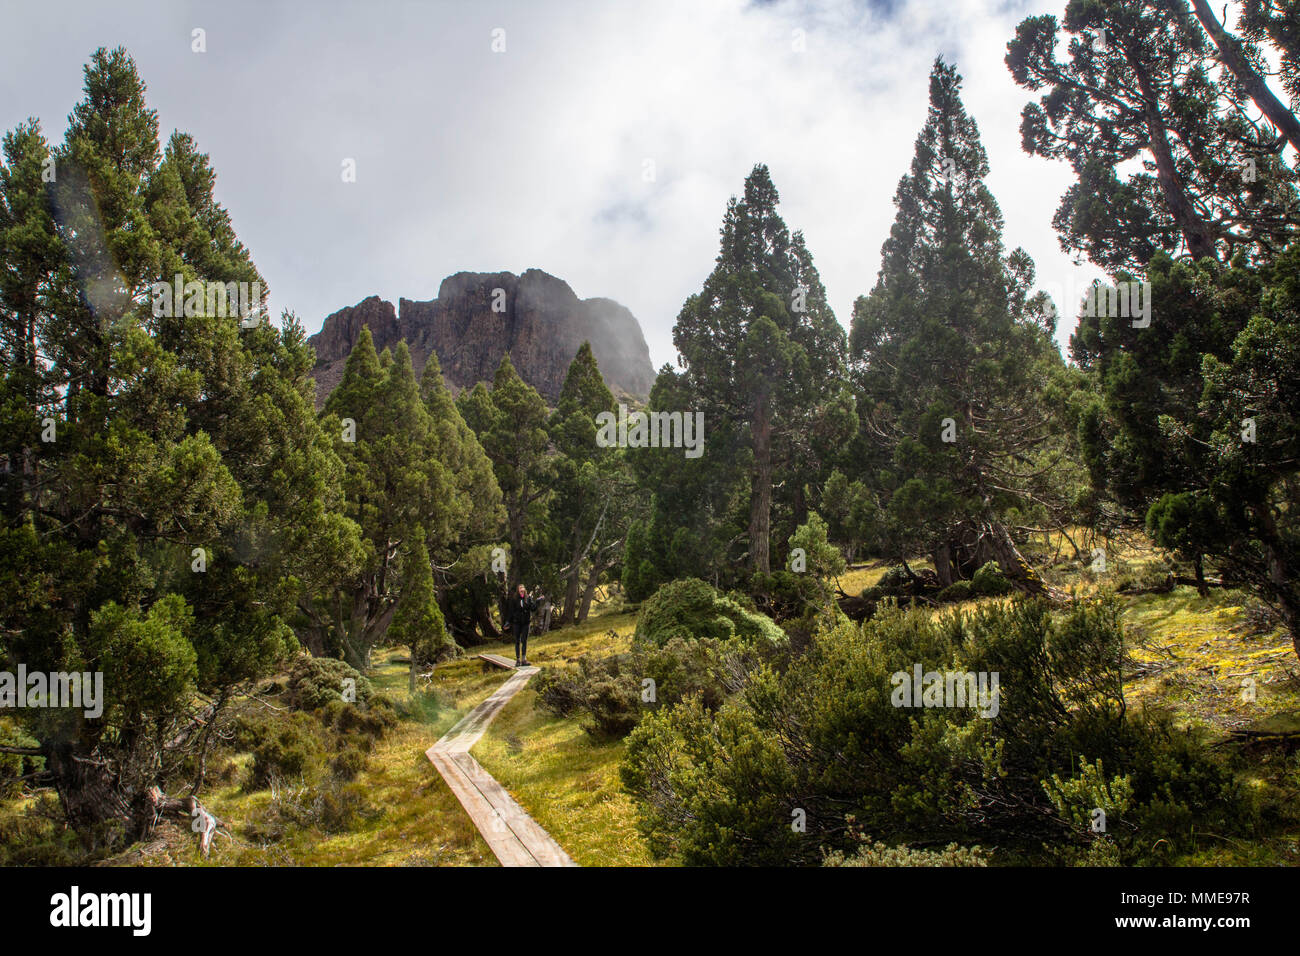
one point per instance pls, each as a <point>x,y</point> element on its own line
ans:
<point>538,320</point>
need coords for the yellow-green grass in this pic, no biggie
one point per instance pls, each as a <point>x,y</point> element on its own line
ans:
<point>1196,656</point>
<point>566,779</point>
<point>861,576</point>
<point>417,820</point>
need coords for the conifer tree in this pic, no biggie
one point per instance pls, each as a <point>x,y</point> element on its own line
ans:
<point>593,485</point>
<point>762,353</point>
<point>418,622</point>
<point>510,422</point>
<point>955,364</point>
<point>1139,83</point>
<point>174,497</point>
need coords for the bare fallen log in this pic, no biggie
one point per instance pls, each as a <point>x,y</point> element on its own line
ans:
<point>202,821</point>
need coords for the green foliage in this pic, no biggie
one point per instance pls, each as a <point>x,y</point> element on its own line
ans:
<point>190,499</point>
<point>334,807</point>
<point>290,750</point>
<point>1149,90</point>
<point>852,515</point>
<point>763,359</point>
<point>989,580</point>
<point>638,573</point>
<point>614,693</point>
<point>595,501</point>
<point>418,622</point>
<point>1078,797</point>
<point>603,690</point>
<point>691,609</point>
<point>1195,425</point>
<point>880,854</point>
<point>314,682</point>
<point>722,787</point>
<point>820,557</point>
<point>960,388</point>
<point>414,470</point>
<point>955,592</point>
<point>510,422</point>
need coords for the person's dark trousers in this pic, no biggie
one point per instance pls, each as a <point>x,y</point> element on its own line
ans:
<point>521,640</point>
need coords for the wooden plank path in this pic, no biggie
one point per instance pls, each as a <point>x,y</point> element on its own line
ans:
<point>510,832</point>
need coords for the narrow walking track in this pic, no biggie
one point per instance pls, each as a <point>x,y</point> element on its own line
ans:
<point>512,834</point>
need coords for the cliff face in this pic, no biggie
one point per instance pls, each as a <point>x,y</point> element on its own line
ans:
<point>478,317</point>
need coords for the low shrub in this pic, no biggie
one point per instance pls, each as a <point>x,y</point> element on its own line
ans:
<point>289,749</point>
<point>692,609</point>
<point>880,854</point>
<point>315,681</point>
<point>954,593</point>
<point>989,581</point>
<point>718,787</point>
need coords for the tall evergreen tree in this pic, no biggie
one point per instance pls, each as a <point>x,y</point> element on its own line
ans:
<point>510,422</point>
<point>591,483</point>
<point>411,464</point>
<point>181,496</point>
<point>418,623</point>
<point>954,366</point>
<point>762,353</point>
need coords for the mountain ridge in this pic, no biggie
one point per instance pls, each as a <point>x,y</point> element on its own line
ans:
<point>477,317</point>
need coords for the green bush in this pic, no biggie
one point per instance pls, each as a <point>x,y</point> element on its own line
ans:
<point>608,698</point>
<point>683,668</point>
<point>990,581</point>
<point>315,681</point>
<point>691,609</point>
<point>895,580</point>
<point>291,749</point>
<point>879,854</point>
<point>13,766</point>
<point>613,693</point>
<point>348,763</point>
<point>561,690</point>
<point>954,593</point>
<point>788,596</point>
<point>827,736</point>
<point>335,807</point>
<point>613,705</point>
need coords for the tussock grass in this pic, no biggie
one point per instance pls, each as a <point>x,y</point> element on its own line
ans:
<point>567,780</point>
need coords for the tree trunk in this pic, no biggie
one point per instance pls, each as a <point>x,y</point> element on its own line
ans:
<point>571,584</point>
<point>1196,231</point>
<point>1017,570</point>
<point>89,792</point>
<point>760,494</point>
<point>943,564</point>
<point>592,580</point>
<point>1199,566</point>
<point>1252,82</point>
<point>485,622</point>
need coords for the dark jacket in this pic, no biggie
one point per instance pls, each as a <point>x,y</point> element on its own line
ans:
<point>519,610</point>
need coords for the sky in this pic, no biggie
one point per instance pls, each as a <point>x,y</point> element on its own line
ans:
<point>597,141</point>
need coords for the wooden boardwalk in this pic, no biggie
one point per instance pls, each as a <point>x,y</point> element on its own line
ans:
<point>510,832</point>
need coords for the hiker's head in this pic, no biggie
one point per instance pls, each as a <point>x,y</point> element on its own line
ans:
<point>522,590</point>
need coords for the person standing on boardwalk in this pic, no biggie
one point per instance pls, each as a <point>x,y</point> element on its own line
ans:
<point>519,611</point>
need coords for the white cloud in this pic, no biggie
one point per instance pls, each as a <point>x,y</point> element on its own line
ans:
<point>474,160</point>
